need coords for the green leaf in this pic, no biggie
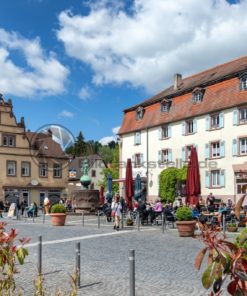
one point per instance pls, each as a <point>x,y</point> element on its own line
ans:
<point>208,276</point>
<point>20,255</point>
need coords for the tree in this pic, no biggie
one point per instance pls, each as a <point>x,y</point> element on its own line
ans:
<point>169,178</point>
<point>112,144</point>
<point>93,147</point>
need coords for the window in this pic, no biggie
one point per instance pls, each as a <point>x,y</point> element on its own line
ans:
<point>190,127</point>
<point>215,149</point>
<point>138,160</point>
<point>215,121</point>
<point>139,113</point>
<point>243,82</point>
<point>57,170</point>
<point>11,168</point>
<point>165,132</point>
<point>25,169</point>
<point>93,174</point>
<point>43,170</point>
<point>137,140</point>
<point>197,95</point>
<point>243,115</point>
<point>8,140</point>
<point>165,155</point>
<point>165,106</point>
<point>188,151</point>
<point>215,178</point>
<point>243,146</point>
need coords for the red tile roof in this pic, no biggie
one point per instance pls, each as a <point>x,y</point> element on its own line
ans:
<point>222,92</point>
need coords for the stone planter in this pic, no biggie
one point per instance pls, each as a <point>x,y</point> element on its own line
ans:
<point>186,228</point>
<point>58,219</point>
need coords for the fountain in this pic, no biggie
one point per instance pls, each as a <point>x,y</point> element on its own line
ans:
<point>85,199</point>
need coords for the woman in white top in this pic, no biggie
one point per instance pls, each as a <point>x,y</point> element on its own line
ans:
<point>116,208</point>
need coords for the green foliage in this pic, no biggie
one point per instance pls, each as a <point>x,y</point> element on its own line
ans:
<point>167,183</point>
<point>184,214</point>
<point>58,208</point>
<point>241,239</point>
<point>113,170</point>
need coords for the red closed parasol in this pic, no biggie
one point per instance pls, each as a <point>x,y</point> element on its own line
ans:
<point>129,185</point>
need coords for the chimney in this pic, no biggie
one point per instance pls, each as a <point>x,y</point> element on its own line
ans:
<point>177,81</point>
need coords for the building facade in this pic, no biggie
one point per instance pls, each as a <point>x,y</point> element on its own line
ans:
<point>208,111</point>
<point>32,165</point>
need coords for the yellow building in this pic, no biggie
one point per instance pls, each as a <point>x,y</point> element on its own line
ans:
<point>32,165</point>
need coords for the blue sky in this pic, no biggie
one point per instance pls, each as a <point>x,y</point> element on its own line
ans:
<point>80,63</point>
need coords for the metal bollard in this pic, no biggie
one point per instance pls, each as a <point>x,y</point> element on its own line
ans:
<point>40,255</point>
<point>33,217</point>
<point>78,264</point>
<point>25,215</point>
<point>224,223</point>
<point>98,220</point>
<point>43,217</point>
<point>82,218</point>
<point>122,220</point>
<point>138,221</point>
<point>163,222</point>
<point>132,271</point>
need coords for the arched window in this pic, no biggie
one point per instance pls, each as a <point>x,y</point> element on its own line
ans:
<point>243,82</point>
<point>139,113</point>
<point>197,95</point>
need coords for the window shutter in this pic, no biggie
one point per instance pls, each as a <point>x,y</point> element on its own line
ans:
<point>138,138</point>
<point>207,151</point>
<point>221,119</point>
<point>235,117</point>
<point>207,183</point>
<point>183,153</point>
<point>135,138</point>
<point>194,126</point>
<point>207,123</point>
<point>234,147</point>
<point>183,128</point>
<point>160,133</point>
<point>169,131</point>
<point>142,159</point>
<point>133,160</point>
<point>170,155</point>
<point>222,178</point>
<point>222,148</point>
<point>159,156</point>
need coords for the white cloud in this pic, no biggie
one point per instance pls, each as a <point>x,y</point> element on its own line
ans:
<point>41,75</point>
<point>84,93</point>
<point>67,114</point>
<point>147,46</point>
<point>106,140</point>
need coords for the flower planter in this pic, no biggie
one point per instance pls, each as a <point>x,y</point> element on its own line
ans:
<point>58,219</point>
<point>186,228</point>
<point>232,228</point>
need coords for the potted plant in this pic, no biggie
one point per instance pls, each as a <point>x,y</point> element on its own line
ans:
<point>226,267</point>
<point>232,227</point>
<point>58,215</point>
<point>185,223</point>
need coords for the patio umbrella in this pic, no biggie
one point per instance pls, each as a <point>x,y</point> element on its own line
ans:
<point>193,185</point>
<point>129,184</point>
<point>101,195</point>
<point>138,186</point>
<point>109,188</point>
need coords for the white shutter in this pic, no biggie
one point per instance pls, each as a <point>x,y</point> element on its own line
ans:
<point>160,133</point>
<point>234,147</point>
<point>207,151</point>
<point>222,178</point>
<point>169,131</point>
<point>183,128</point>
<point>194,126</point>
<point>222,148</point>
<point>159,156</point>
<point>183,153</point>
<point>235,117</point>
<point>207,123</point>
<point>142,159</point>
<point>221,115</point>
<point>170,155</point>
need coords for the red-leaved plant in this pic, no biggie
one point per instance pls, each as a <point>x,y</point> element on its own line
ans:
<point>227,263</point>
<point>9,252</point>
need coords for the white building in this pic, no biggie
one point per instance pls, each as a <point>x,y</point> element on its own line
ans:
<point>207,110</point>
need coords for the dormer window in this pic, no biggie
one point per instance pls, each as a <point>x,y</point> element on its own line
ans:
<point>165,105</point>
<point>197,95</point>
<point>139,113</point>
<point>243,82</point>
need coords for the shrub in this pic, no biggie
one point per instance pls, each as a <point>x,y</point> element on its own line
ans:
<point>58,208</point>
<point>184,214</point>
<point>241,239</point>
<point>232,224</point>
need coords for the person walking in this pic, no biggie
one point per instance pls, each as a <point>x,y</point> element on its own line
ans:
<point>116,211</point>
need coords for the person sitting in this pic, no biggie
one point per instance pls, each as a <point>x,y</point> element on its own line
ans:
<point>195,212</point>
<point>30,212</point>
<point>142,211</point>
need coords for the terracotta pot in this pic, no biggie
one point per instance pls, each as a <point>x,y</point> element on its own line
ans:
<point>186,228</point>
<point>58,219</point>
<point>232,228</point>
